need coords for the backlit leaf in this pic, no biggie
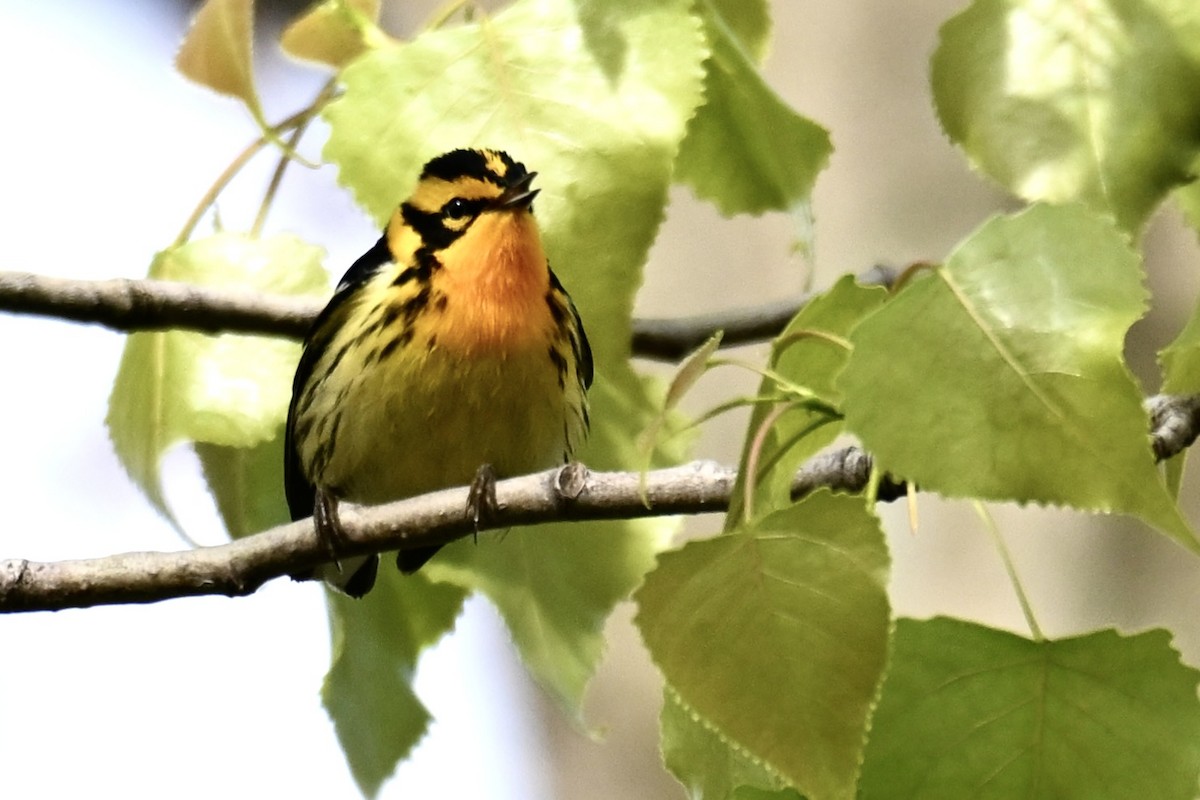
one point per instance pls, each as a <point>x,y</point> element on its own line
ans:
<point>746,150</point>
<point>595,97</point>
<point>230,390</point>
<point>368,691</point>
<point>333,32</point>
<point>218,51</point>
<point>1092,101</point>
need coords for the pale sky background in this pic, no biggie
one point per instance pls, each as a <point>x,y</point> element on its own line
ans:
<point>105,153</point>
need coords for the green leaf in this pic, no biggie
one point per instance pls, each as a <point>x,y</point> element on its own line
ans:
<point>334,32</point>
<point>555,585</point>
<point>746,150</point>
<point>595,97</point>
<point>690,370</point>
<point>229,390</point>
<point>748,20</point>
<point>754,793</point>
<point>1000,376</point>
<point>596,126</point>
<point>709,766</point>
<point>813,362</point>
<point>1180,359</point>
<point>368,691</point>
<point>968,711</point>
<point>1187,197</point>
<point>218,51</point>
<point>1090,101</point>
<point>247,484</point>
<point>777,635</point>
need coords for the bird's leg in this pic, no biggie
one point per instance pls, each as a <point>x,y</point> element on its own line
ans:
<point>356,577</point>
<point>328,524</point>
<point>481,500</point>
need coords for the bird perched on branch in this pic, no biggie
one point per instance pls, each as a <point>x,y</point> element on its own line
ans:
<point>449,354</point>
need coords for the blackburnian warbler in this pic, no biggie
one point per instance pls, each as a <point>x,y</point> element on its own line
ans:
<point>450,352</point>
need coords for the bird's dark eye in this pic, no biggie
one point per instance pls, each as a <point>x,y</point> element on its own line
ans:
<point>457,208</point>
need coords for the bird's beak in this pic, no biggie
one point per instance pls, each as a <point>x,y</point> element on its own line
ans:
<point>519,195</point>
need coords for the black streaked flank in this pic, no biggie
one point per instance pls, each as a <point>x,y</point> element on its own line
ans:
<point>557,311</point>
<point>560,366</point>
<point>390,315</point>
<point>558,300</point>
<point>404,338</point>
<point>414,305</point>
<point>408,274</point>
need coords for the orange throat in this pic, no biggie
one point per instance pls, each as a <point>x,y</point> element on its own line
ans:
<point>495,280</point>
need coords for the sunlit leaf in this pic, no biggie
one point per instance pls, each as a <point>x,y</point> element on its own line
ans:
<point>218,51</point>
<point>1181,359</point>
<point>746,150</point>
<point>748,20</point>
<point>368,691</point>
<point>247,484</point>
<point>333,32</point>
<point>595,97</point>
<point>230,390</point>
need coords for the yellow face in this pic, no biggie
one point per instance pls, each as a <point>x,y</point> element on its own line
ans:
<point>469,232</point>
<point>456,192</point>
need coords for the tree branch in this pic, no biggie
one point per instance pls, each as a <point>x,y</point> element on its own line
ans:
<point>569,493</point>
<point>240,567</point>
<point>135,305</point>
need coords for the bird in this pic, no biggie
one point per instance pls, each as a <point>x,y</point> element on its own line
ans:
<point>450,354</point>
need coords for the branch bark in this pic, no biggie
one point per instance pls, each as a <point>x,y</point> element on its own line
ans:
<point>569,493</point>
<point>138,305</point>
<point>240,567</point>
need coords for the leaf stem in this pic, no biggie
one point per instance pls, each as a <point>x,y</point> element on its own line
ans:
<point>277,177</point>
<point>443,14</point>
<point>230,172</point>
<point>754,452</point>
<point>993,530</point>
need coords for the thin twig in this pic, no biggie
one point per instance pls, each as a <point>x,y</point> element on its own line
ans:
<point>134,305</point>
<point>672,339</point>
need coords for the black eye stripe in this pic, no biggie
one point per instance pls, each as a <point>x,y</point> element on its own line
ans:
<point>460,208</point>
